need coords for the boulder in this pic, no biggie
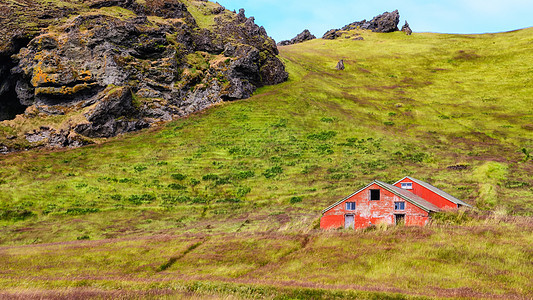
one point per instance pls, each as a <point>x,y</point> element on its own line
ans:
<point>300,38</point>
<point>387,22</point>
<point>114,113</point>
<point>54,138</point>
<point>4,149</point>
<point>407,29</point>
<point>340,65</point>
<point>273,71</point>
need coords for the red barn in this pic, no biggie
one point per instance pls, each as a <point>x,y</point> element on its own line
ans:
<point>432,194</point>
<point>383,203</point>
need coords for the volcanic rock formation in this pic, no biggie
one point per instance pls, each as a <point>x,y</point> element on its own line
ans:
<point>300,38</point>
<point>407,29</point>
<point>340,65</point>
<point>386,22</point>
<point>124,71</point>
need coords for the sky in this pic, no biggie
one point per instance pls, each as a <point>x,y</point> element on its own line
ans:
<point>284,19</point>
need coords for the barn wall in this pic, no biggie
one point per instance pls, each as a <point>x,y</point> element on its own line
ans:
<point>428,195</point>
<point>332,221</point>
<point>373,212</point>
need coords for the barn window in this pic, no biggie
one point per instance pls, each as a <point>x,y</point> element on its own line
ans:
<point>399,205</point>
<point>375,195</point>
<point>407,185</point>
<point>350,205</point>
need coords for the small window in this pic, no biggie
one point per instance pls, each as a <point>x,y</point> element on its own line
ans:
<point>399,205</point>
<point>350,205</point>
<point>375,195</point>
<point>407,185</point>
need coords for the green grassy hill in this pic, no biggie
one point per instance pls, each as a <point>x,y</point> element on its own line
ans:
<point>227,202</point>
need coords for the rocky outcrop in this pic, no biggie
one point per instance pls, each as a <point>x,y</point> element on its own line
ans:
<point>54,138</point>
<point>332,34</point>
<point>300,38</point>
<point>384,23</point>
<point>407,29</point>
<point>112,114</point>
<point>123,73</point>
<point>340,65</point>
<point>387,22</point>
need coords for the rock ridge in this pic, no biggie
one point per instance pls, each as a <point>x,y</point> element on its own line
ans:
<point>300,38</point>
<point>384,23</point>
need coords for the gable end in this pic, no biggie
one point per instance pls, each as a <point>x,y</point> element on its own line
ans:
<point>435,190</point>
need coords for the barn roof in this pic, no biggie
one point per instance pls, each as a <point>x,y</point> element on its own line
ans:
<point>404,194</point>
<point>410,197</point>
<point>436,191</point>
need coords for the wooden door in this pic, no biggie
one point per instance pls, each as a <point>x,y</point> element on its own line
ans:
<point>349,221</point>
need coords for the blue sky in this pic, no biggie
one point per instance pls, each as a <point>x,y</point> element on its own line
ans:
<point>283,19</point>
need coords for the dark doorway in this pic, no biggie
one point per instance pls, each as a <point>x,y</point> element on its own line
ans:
<point>399,219</point>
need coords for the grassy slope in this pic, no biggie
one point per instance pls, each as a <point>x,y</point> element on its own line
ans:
<point>403,106</point>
